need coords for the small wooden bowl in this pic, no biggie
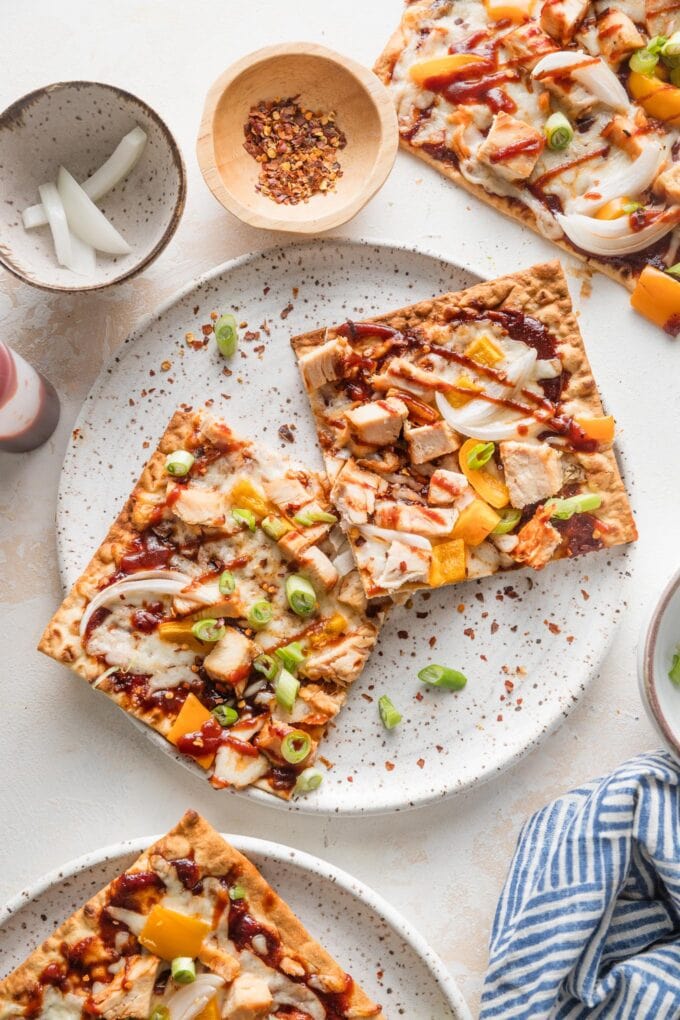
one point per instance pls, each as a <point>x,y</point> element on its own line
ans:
<point>324,81</point>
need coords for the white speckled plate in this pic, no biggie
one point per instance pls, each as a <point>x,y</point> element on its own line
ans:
<point>529,643</point>
<point>361,930</point>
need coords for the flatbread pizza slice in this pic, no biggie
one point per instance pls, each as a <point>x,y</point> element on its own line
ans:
<point>559,113</point>
<point>190,930</point>
<point>464,435</point>
<point>223,608</point>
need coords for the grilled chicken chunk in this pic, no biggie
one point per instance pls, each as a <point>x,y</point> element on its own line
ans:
<point>511,148</point>
<point>426,442</point>
<point>230,660</point>
<point>403,374</point>
<point>325,363</point>
<point>629,134</point>
<point>379,422</point>
<point>287,492</point>
<point>537,541</point>
<point>204,507</point>
<point>561,18</point>
<point>528,44</point>
<point>419,520</point>
<point>618,36</point>
<point>354,491</point>
<point>405,563</point>
<point>446,487</point>
<point>667,184</point>
<point>130,992</point>
<point>533,472</point>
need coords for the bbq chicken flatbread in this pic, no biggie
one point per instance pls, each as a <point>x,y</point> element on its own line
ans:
<point>564,114</point>
<point>465,435</point>
<point>223,609</point>
<point>191,931</point>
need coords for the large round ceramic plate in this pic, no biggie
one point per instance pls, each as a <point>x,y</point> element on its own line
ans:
<point>361,930</point>
<point>528,642</point>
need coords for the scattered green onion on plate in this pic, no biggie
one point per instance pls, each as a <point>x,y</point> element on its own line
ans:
<point>674,671</point>
<point>226,335</point>
<point>443,676</point>
<point>308,780</point>
<point>390,716</point>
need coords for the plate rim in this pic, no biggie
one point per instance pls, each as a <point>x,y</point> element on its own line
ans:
<point>282,853</point>
<point>309,805</point>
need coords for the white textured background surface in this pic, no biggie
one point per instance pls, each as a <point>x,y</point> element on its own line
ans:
<point>75,775</point>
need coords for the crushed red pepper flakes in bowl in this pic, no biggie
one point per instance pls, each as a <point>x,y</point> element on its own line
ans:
<point>297,150</point>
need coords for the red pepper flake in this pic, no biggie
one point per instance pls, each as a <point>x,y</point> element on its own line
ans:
<point>419,696</point>
<point>368,698</point>
<point>296,291</point>
<point>552,627</point>
<point>585,594</point>
<point>432,642</point>
<point>285,312</point>
<point>286,433</point>
<point>494,626</point>
<point>297,149</point>
<point>350,779</point>
<point>509,686</point>
<point>461,607</point>
<point>207,329</point>
<point>570,639</point>
<point>389,765</point>
<point>421,763</point>
<point>402,634</point>
<point>469,632</point>
<point>499,718</point>
<point>251,334</point>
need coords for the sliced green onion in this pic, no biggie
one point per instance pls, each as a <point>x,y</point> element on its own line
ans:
<point>226,335</point>
<point>674,270</point>
<point>291,655</point>
<point>159,1013</point>
<point>674,671</point>
<point>244,517</point>
<point>237,892</point>
<point>630,207</point>
<point>208,630</point>
<point>558,132</point>
<point>308,517</point>
<point>443,676</point>
<point>225,715</point>
<point>563,509</point>
<point>670,51</point>
<point>657,44</point>
<point>286,688</point>
<point>275,527</point>
<point>295,746</point>
<point>260,613</point>
<point>266,665</point>
<point>308,780</point>
<point>301,595</point>
<point>179,463</point>
<point>226,583</point>
<point>480,455</point>
<point>388,713</point>
<point>644,62</point>
<point>183,970</point>
<point>510,518</point>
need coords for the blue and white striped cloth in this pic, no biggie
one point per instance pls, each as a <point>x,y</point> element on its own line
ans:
<point>588,923</point>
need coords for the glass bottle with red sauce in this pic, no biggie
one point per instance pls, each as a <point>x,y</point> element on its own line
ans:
<point>29,405</point>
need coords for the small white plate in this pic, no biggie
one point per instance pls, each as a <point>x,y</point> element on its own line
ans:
<point>528,642</point>
<point>362,931</point>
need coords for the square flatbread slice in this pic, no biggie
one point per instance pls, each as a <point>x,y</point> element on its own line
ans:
<point>450,428</point>
<point>243,536</point>
<point>475,83</point>
<point>191,894</point>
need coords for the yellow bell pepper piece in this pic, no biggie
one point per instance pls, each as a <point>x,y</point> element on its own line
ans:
<point>448,562</point>
<point>476,521</point>
<point>169,934</point>
<point>657,297</point>
<point>337,624</point>
<point>484,351</point>
<point>191,717</point>
<point>515,10</point>
<point>179,632</point>
<point>602,429</point>
<point>465,383</point>
<point>489,486</point>
<point>210,1012</point>
<point>613,210</point>
<point>658,98</point>
<point>246,496</point>
<point>440,67</point>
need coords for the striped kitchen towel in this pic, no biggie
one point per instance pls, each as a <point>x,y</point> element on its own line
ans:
<point>588,923</point>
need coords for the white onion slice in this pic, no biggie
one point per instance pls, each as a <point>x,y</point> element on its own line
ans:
<point>83,257</point>
<point>152,582</point>
<point>387,535</point>
<point>56,217</point>
<point>120,163</point>
<point>632,180</point>
<point>589,234</point>
<point>548,369</point>
<point>86,220</point>
<point>344,563</point>
<point>517,375</point>
<point>496,430</point>
<point>190,1000</point>
<point>594,75</point>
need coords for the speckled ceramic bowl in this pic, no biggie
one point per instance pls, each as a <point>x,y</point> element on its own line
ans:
<point>78,124</point>
<point>659,640</point>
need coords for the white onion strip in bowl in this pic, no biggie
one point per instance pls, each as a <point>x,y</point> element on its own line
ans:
<point>153,582</point>
<point>120,163</point>
<point>86,220</point>
<point>591,236</point>
<point>190,1000</point>
<point>56,217</point>
<point>631,181</point>
<point>591,72</point>
<point>387,535</point>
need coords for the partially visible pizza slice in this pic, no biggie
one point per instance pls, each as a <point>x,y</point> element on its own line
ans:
<point>564,115</point>
<point>223,608</point>
<point>191,931</point>
<point>465,435</point>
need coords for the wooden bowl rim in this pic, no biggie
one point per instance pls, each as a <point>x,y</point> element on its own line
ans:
<point>16,108</point>
<point>388,141</point>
